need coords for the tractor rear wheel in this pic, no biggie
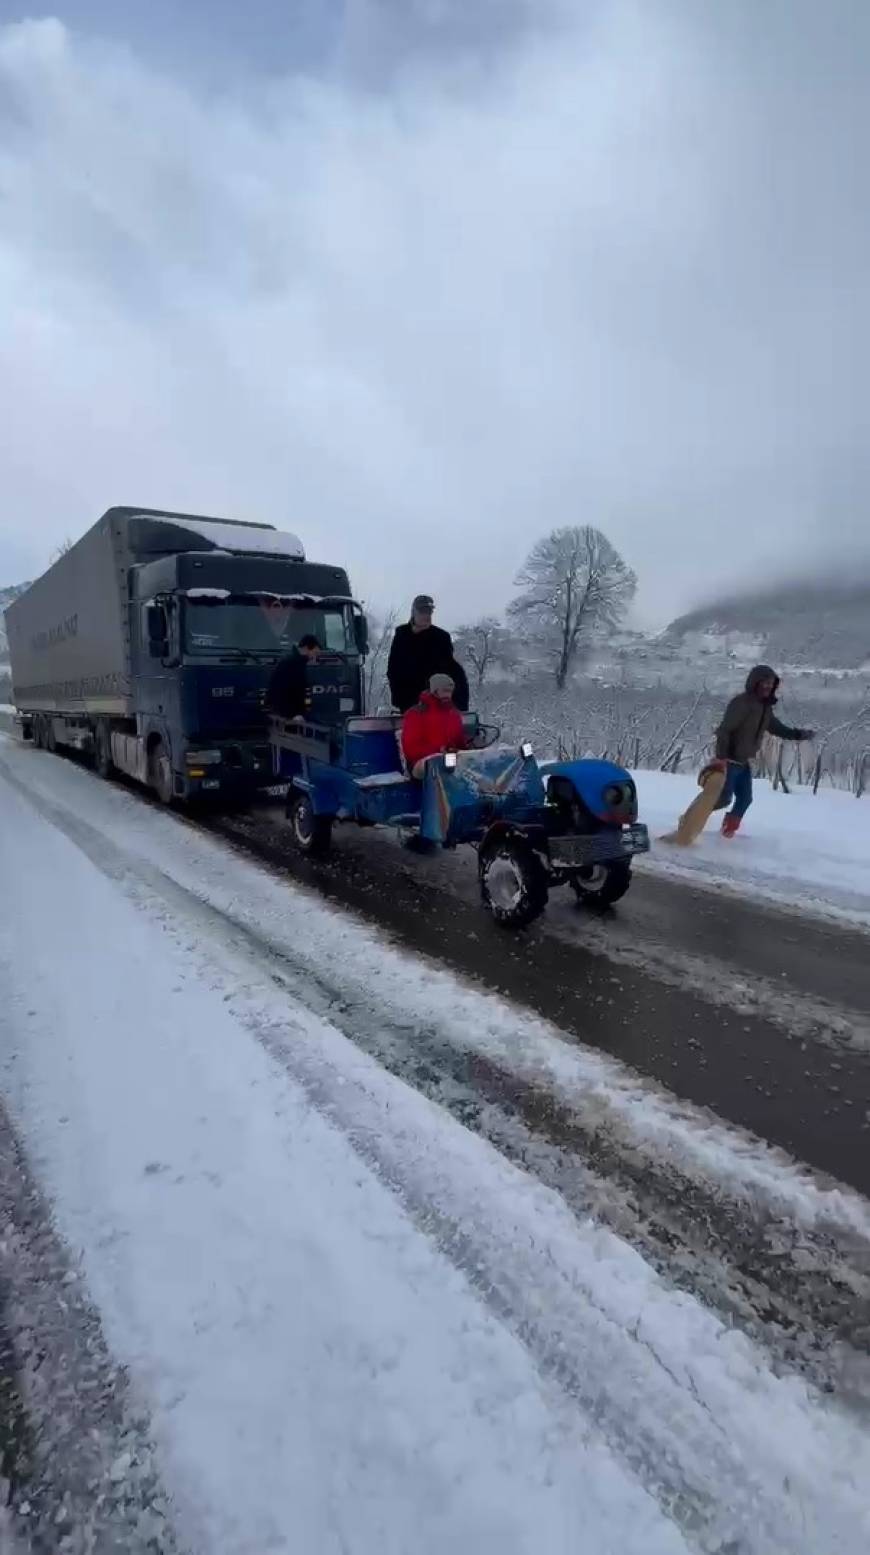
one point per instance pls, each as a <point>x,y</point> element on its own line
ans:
<point>513,882</point>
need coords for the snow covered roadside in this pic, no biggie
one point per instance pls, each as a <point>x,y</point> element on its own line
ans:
<point>222,1169</point>
<point>320,1377</point>
<point>804,851</point>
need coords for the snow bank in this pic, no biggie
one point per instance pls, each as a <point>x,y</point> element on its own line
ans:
<point>810,852</point>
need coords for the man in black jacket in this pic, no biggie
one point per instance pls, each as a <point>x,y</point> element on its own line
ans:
<point>420,650</point>
<point>287,694</point>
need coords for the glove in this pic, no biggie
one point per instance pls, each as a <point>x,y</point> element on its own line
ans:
<point>806,734</point>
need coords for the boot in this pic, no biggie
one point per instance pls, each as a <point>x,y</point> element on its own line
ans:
<point>731,826</point>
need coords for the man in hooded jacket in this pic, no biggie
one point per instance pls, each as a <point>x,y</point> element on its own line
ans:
<point>748,718</point>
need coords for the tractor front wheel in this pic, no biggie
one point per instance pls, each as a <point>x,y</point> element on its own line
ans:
<point>600,885</point>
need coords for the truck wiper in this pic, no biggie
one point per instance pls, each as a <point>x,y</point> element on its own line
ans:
<point>242,656</point>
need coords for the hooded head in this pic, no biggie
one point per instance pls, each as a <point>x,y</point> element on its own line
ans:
<point>763,682</point>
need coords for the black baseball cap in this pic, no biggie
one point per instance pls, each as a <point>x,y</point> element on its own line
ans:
<point>423,602</point>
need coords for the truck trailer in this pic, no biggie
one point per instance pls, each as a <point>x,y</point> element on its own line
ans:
<point>151,641</point>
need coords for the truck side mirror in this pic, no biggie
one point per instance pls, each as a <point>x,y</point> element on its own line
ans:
<point>361,633</point>
<point>158,635</point>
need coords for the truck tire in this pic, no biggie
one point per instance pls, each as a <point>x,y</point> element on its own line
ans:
<point>160,773</point>
<point>36,734</point>
<point>312,833</point>
<point>103,750</point>
<point>513,882</point>
<point>49,736</point>
<point>600,885</point>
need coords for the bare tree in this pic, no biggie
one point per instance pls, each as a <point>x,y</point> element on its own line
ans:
<point>380,637</point>
<point>484,644</point>
<point>574,586</point>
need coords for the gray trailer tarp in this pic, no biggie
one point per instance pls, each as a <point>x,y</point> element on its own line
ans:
<point>69,634</point>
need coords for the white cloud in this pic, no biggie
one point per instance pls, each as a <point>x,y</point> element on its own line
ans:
<point>610,278</point>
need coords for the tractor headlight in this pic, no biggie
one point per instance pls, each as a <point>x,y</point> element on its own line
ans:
<point>614,794</point>
<point>526,750</point>
<point>450,761</point>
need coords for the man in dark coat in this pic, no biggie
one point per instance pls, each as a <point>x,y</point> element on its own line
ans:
<point>748,718</point>
<point>287,694</point>
<point>418,651</point>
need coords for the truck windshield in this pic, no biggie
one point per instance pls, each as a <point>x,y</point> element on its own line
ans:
<point>215,626</point>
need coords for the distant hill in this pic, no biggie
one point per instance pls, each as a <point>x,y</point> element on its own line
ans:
<point>823,625</point>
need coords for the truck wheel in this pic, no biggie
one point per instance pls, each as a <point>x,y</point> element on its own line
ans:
<point>312,833</point>
<point>36,733</point>
<point>602,884</point>
<point>49,738</point>
<point>160,773</point>
<point>513,882</point>
<point>103,751</point>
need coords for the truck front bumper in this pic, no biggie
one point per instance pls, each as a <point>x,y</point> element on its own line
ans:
<point>229,770</point>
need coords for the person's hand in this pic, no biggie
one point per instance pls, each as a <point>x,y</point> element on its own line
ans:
<point>806,734</point>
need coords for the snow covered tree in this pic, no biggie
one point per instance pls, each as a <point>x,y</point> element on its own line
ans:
<point>574,587</point>
<point>483,645</point>
<point>375,674</point>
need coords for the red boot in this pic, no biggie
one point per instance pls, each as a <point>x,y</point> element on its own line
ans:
<point>731,826</point>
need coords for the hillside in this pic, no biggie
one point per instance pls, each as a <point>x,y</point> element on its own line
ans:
<point>823,625</point>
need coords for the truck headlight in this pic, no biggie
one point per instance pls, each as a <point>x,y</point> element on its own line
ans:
<point>203,758</point>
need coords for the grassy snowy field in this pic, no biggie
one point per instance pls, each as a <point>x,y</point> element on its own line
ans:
<point>807,851</point>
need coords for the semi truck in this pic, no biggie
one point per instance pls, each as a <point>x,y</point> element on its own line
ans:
<point>150,643</point>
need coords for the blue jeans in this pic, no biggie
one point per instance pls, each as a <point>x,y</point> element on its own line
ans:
<point>738,787</point>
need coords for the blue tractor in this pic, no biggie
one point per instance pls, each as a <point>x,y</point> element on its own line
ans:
<point>533,826</point>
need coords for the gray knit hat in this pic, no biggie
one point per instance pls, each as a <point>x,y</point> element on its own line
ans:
<point>441,683</point>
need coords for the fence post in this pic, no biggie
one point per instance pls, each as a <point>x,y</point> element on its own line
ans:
<point>780,775</point>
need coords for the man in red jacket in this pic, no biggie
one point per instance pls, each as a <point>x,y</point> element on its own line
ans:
<point>434,725</point>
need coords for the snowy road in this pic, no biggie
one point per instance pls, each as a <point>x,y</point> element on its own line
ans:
<point>311,1246</point>
<point>761,1015</point>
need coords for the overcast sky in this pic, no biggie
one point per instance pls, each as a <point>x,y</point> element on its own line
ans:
<point>422,279</point>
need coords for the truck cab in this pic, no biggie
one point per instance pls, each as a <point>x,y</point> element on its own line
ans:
<point>206,633</point>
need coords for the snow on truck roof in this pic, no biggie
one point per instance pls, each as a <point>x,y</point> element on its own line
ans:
<point>221,534</point>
